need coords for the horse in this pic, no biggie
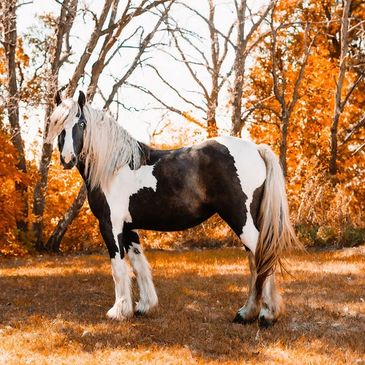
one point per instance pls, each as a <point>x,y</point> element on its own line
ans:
<point>132,186</point>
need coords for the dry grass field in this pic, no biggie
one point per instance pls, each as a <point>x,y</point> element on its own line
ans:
<point>53,311</point>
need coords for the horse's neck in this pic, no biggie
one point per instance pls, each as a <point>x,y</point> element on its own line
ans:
<point>151,155</point>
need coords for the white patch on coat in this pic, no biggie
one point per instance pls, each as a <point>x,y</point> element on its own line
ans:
<point>148,297</point>
<point>251,171</point>
<point>123,307</point>
<point>124,184</point>
<point>68,151</point>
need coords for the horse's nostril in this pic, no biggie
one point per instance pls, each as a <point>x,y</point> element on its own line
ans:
<point>73,159</point>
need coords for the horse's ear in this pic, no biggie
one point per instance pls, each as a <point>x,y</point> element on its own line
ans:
<point>82,99</point>
<point>57,98</point>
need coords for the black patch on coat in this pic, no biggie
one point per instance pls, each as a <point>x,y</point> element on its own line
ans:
<point>61,140</point>
<point>129,237</point>
<point>193,183</point>
<point>78,136</point>
<point>100,208</point>
<point>255,205</point>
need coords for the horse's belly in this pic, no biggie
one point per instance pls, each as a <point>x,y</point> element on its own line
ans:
<point>169,222</point>
<point>167,214</point>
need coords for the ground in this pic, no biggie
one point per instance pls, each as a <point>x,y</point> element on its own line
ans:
<point>53,311</point>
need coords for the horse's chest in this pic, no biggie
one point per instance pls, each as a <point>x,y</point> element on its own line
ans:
<point>125,184</point>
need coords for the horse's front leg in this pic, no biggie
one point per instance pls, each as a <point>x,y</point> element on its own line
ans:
<point>148,297</point>
<point>112,235</point>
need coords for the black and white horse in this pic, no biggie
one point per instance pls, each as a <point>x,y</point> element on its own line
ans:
<point>132,186</point>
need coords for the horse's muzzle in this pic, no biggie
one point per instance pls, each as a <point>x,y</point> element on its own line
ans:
<point>69,165</point>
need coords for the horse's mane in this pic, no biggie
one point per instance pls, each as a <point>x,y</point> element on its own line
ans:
<point>107,145</point>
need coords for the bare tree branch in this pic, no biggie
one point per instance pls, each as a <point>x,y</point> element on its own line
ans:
<point>360,124</point>
<point>169,107</point>
<point>137,59</point>
<point>175,90</point>
<point>96,34</point>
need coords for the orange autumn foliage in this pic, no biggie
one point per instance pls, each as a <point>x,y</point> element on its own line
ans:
<point>318,199</point>
<point>9,198</point>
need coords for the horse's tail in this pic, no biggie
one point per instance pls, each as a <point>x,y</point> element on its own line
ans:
<point>276,232</point>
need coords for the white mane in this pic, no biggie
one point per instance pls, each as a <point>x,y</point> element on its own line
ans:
<point>107,145</point>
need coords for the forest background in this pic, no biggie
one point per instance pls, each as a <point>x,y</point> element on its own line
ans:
<point>174,72</point>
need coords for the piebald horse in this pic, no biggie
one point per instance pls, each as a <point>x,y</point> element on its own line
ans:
<point>131,186</point>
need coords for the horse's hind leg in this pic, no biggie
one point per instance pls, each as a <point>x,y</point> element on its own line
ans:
<point>272,305</point>
<point>250,311</point>
<point>148,297</point>
<point>264,301</point>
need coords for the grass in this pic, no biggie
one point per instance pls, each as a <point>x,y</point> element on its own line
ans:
<point>53,311</point>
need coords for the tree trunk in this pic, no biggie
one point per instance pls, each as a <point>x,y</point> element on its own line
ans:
<point>212,127</point>
<point>54,241</point>
<point>10,40</point>
<point>339,104</point>
<point>39,198</point>
<point>334,144</point>
<point>239,68</point>
<point>283,144</point>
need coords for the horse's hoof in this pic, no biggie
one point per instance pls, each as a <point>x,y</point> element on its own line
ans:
<point>265,323</point>
<point>240,320</point>
<point>139,313</point>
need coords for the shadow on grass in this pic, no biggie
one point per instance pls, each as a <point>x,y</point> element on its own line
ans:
<point>195,312</point>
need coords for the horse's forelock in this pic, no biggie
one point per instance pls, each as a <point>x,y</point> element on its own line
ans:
<point>61,117</point>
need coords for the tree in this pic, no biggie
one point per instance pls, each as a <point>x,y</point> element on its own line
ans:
<point>243,46</point>
<point>202,65</point>
<point>309,132</point>
<point>56,58</point>
<point>113,33</point>
<point>287,47</point>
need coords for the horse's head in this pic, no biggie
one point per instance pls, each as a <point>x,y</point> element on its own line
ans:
<point>71,138</point>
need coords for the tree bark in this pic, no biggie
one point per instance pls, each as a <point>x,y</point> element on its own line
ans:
<point>284,144</point>
<point>9,25</point>
<point>239,69</point>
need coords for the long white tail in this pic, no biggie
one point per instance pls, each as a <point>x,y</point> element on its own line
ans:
<point>276,232</point>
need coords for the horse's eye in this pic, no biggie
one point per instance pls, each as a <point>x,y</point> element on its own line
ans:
<point>82,125</point>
